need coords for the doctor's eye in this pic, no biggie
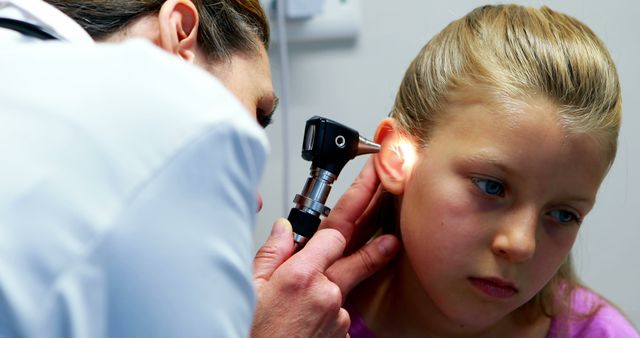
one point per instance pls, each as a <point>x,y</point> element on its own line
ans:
<point>264,118</point>
<point>265,108</point>
<point>565,216</point>
<point>489,187</point>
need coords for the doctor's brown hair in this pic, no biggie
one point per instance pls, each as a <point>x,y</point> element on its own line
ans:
<point>512,52</point>
<point>226,26</point>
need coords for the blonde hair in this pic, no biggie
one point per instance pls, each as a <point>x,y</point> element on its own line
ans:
<point>514,53</point>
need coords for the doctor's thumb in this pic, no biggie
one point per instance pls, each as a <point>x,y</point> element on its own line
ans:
<point>275,251</point>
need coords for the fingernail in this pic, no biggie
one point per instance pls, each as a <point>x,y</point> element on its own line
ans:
<point>279,227</point>
<point>386,245</point>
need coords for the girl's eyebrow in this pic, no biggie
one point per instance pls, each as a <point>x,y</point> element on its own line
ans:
<point>489,157</point>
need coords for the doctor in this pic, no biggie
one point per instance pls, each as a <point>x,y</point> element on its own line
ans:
<point>129,178</point>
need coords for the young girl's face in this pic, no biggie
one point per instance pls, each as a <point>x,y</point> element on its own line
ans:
<point>493,205</point>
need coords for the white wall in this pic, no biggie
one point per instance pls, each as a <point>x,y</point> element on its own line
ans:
<point>355,83</point>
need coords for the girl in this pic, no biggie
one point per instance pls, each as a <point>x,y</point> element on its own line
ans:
<point>503,129</point>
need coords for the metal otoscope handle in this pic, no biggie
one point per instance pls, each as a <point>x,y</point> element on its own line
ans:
<point>329,145</point>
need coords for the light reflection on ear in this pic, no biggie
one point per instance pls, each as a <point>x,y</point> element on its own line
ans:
<point>406,152</point>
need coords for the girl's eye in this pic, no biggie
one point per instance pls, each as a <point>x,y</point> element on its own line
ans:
<point>565,216</point>
<point>490,187</point>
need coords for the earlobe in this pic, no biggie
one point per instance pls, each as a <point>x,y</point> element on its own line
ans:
<point>393,162</point>
<point>178,21</point>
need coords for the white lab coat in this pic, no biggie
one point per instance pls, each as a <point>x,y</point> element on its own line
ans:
<point>127,194</point>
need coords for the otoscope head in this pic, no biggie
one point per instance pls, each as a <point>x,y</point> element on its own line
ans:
<point>329,145</point>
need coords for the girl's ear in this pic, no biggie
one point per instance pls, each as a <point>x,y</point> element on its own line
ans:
<point>395,160</point>
<point>178,22</point>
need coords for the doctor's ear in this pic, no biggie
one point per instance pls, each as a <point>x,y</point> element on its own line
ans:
<point>178,22</point>
<point>395,160</point>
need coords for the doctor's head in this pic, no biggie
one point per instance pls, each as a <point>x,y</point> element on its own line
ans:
<point>228,38</point>
<point>509,118</point>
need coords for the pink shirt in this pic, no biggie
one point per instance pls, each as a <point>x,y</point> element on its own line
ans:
<point>607,322</point>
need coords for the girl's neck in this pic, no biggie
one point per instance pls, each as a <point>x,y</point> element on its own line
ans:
<point>394,304</point>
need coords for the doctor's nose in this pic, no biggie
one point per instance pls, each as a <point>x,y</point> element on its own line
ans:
<point>259,203</point>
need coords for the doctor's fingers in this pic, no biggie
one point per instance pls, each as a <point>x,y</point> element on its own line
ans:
<point>349,271</point>
<point>340,327</point>
<point>292,305</point>
<point>322,250</point>
<point>354,202</point>
<point>371,221</point>
<point>275,251</point>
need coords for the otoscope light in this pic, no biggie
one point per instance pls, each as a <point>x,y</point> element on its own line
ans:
<point>406,151</point>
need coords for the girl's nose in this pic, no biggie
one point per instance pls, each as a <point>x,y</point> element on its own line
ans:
<point>516,238</point>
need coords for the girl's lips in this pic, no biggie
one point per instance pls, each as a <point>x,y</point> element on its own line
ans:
<point>494,287</point>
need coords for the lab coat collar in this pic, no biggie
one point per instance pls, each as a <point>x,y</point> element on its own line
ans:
<point>40,13</point>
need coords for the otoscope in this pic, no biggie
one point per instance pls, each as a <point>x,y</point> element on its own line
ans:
<point>329,145</point>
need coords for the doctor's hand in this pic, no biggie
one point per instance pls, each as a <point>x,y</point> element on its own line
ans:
<point>301,295</point>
